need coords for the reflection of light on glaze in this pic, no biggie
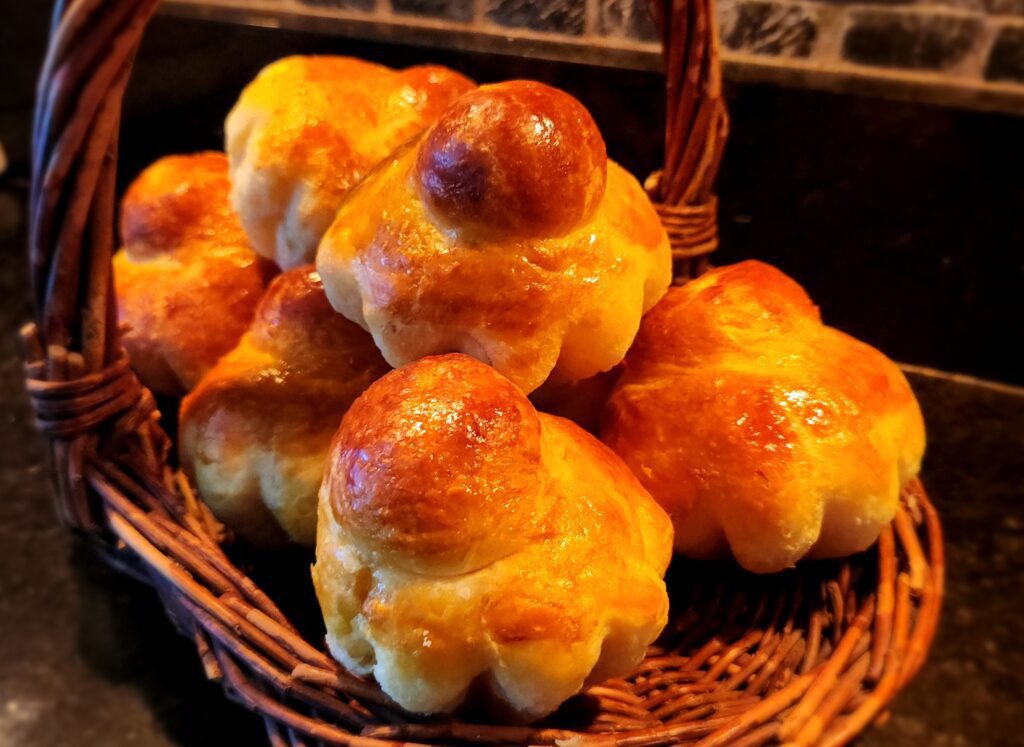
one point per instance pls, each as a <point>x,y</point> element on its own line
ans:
<point>817,416</point>
<point>17,718</point>
<point>411,96</point>
<point>276,374</point>
<point>813,411</point>
<point>543,127</point>
<point>595,277</point>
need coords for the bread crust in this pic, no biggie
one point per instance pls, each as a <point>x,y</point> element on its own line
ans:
<point>186,280</point>
<point>465,538</point>
<point>503,233</point>
<point>308,128</point>
<point>762,431</point>
<point>255,432</point>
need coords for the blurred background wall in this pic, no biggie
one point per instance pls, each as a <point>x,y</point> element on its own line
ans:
<point>969,52</point>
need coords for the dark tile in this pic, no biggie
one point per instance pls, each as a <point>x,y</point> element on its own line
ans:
<point>909,40</point>
<point>769,28</point>
<point>456,10</point>
<point>364,5</point>
<point>971,5</point>
<point>558,16</point>
<point>873,2</point>
<point>1005,7</point>
<point>1006,60</point>
<point>628,18</point>
<point>990,7</point>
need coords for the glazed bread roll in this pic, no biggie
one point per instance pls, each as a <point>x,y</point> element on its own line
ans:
<point>504,233</point>
<point>308,128</point>
<point>759,429</point>
<point>255,432</point>
<point>465,539</point>
<point>187,281</point>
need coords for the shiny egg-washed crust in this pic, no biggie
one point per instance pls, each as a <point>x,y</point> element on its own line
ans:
<point>187,281</point>
<point>309,128</point>
<point>503,233</point>
<point>467,540</point>
<point>255,432</point>
<point>759,429</point>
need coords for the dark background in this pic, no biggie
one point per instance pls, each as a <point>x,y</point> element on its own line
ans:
<point>904,221</point>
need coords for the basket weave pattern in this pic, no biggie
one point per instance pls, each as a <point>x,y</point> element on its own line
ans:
<point>805,657</point>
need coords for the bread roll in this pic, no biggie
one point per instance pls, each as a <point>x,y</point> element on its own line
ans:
<point>187,281</point>
<point>504,233</point>
<point>465,539</point>
<point>309,128</point>
<point>759,429</point>
<point>255,432</point>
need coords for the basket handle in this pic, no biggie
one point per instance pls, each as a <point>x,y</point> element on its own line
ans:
<point>83,390</point>
<point>74,157</point>
<point>696,127</point>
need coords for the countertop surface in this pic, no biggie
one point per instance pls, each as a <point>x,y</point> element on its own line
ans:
<point>88,658</point>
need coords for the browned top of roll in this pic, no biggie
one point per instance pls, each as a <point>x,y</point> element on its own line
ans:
<point>446,478</point>
<point>187,280</point>
<point>519,157</point>
<point>178,199</point>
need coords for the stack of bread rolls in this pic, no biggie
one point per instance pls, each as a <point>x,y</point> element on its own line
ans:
<point>447,250</point>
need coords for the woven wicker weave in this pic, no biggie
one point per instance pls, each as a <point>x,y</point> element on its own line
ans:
<point>804,657</point>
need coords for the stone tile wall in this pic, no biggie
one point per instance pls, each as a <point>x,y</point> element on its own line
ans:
<point>954,51</point>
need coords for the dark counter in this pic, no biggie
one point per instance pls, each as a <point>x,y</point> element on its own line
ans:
<point>88,658</point>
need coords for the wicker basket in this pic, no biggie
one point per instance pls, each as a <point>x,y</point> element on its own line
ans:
<point>808,656</point>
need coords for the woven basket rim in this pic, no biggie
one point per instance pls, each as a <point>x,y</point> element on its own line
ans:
<point>809,656</point>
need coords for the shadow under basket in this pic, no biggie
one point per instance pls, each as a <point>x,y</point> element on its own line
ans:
<point>809,656</point>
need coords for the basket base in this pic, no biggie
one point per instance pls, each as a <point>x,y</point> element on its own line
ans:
<point>808,656</point>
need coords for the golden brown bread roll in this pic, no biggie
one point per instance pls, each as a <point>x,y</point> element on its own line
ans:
<point>309,128</point>
<point>187,281</point>
<point>465,539</point>
<point>504,233</point>
<point>759,429</point>
<point>255,432</point>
